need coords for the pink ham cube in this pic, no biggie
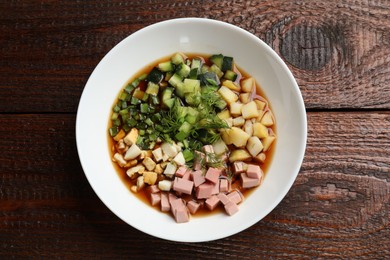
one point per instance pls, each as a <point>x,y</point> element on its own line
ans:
<point>254,171</point>
<point>213,174</point>
<point>238,167</point>
<point>187,176</point>
<point>231,208</point>
<point>248,182</point>
<point>223,185</point>
<point>179,210</point>
<point>212,202</point>
<point>165,207</point>
<point>155,198</point>
<point>198,178</point>
<point>235,197</point>
<point>153,189</point>
<point>181,171</point>
<point>215,189</point>
<point>183,185</point>
<point>223,198</point>
<point>204,190</point>
<point>193,206</point>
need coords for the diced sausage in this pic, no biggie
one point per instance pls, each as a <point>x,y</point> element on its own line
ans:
<point>238,167</point>
<point>204,190</point>
<point>249,182</point>
<point>223,198</point>
<point>212,202</point>
<point>181,171</point>
<point>183,185</point>
<point>213,174</point>
<point>235,197</point>
<point>155,198</point>
<point>193,206</point>
<point>198,178</point>
<point>223,185</point>
<point>254,171</point>
<point>165,206</point>
<point>231,208</point>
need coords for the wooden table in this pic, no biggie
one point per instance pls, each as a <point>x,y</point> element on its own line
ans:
<point>339,52</point>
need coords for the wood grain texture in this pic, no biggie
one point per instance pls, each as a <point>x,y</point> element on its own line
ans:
<point>338,207</point>
<point>339,51</point>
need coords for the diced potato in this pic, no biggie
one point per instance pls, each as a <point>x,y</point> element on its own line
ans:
<point>236,109</point>
<point>131,137</point>
<point>157,154</point>
<point>134,188</point>
<point>165,157</point>
<point>229,121</point>
<point>136,169</point>
<point>119,159</point>
<point>249,110</point>
<point>179,159</point>
<point>260,104</point>
<point>254,146</point>
<point>261,113</point>
<point>267,119</point>
<point>140,183</point>
<point>238,136</point>
<point>260,157</point>
<point>260,130</point>
<point>158,169</point>
<point>121,145</point>
<point>150,177</point>
<point>131,163</point>
<point>248,127</point>
<point>169,149</point>
<point>239,155</point>
<point>231,85</point>
<point>245,97</point>
<point>248,84</point>
<point>145,153</point>
<point>228,95</point>
<point>119,135</point>
<point>170,170</point>
<point>219,147</point>
<point>165,185</point>
<point>225,136</point>
<point>238,121</point>
<point>133,152</point>
<point>149,163</point>
<point>267,142</point>
<point>224,114</point>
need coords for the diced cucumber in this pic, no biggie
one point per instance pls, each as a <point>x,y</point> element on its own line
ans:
<point>204,69</point>
<point>191,86</point>
<point>193,99</point>
<point>177,58</point>
<point>209,78</point>
<point>113,131</point>
<point>214,68</point>
<point>230,75</point>
<point>184,131</point>
<point>188,155</point>
<point>196,63</point>
<point>165,66</point>
<point>227,63</point>
<point>176,80</point>
<point>152,88</point>
<point>169,102</point>
<point>155,76</point>
<point>192,115</point>
<point>193,74</point>
<point>217,59</point>
<point>183,70</point>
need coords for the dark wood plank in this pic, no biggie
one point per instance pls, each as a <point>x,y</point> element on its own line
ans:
<point>337,208</point>
<point>338,50</point>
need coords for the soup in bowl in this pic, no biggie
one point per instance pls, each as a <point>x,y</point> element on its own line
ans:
<point>208,126</point>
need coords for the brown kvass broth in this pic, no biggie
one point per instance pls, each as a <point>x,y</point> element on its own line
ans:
<point>143,195</point>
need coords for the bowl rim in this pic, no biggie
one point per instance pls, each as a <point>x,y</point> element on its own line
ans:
<point>270,51</point>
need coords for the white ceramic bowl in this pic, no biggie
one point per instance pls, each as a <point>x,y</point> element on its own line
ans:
<point>190,35</point>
